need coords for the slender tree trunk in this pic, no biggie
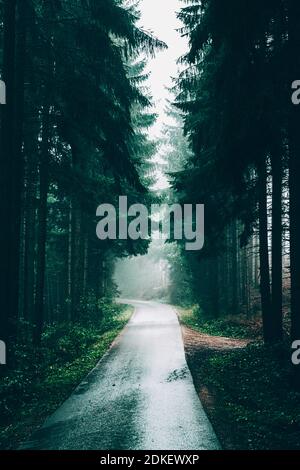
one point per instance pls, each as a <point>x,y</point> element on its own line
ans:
<point>42,228</point>
<point>239,276</point>
<point>103,279</point>
<point>234,306</point>
<point>30,222</point>
<point>264,253</point>
<point>244,279</point>
<point>252,272</point>
<point>256,261</point>
<point>70,246</point>
<point>85,264</point>
<point>215,287</point>
<point>76,259</point>
<point>8,292</point>
<point>277,247</point>
<point>18,160</point>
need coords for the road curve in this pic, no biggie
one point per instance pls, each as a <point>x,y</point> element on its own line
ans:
<point>140,395</point>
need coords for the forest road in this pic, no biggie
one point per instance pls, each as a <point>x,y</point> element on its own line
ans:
<point>140,395</point>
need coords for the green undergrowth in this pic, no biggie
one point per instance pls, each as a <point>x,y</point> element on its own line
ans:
<point>231,326</point>
<point>43,379</point>
<point>254,405</point>
<point>247,392</point>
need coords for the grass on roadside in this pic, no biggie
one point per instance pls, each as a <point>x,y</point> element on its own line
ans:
<point>230,326</point>
<point>253,398</point>
<point>38,385</point>
<point>246,392</point>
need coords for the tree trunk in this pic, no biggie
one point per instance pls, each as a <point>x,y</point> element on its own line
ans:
<point>42,229</point>
<point>264,253</point>
<point>77,252</point>
<point>277,246</point>
<point>234,306</point>
<point>85,264</point>
<point>215,287</point>
<point>18,160</point>
<point>30,222</point>
<point>69,287</point>
<point>8,315</point>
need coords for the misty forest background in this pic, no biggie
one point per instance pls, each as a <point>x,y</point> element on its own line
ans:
<point>75,133</point>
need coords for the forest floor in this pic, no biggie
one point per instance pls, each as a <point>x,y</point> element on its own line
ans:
<point>38,385</point>
<point>244,386</point>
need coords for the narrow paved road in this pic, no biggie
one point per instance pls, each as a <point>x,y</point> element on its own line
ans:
<point>140,395</point>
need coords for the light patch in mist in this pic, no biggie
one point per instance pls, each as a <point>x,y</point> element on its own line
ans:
<point>144,277</point>
<point>159,17</point>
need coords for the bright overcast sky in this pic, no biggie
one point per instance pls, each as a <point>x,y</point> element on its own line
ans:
<point>159,17</point>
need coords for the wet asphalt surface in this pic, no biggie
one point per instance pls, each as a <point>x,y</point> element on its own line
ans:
<point>140,395</point>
